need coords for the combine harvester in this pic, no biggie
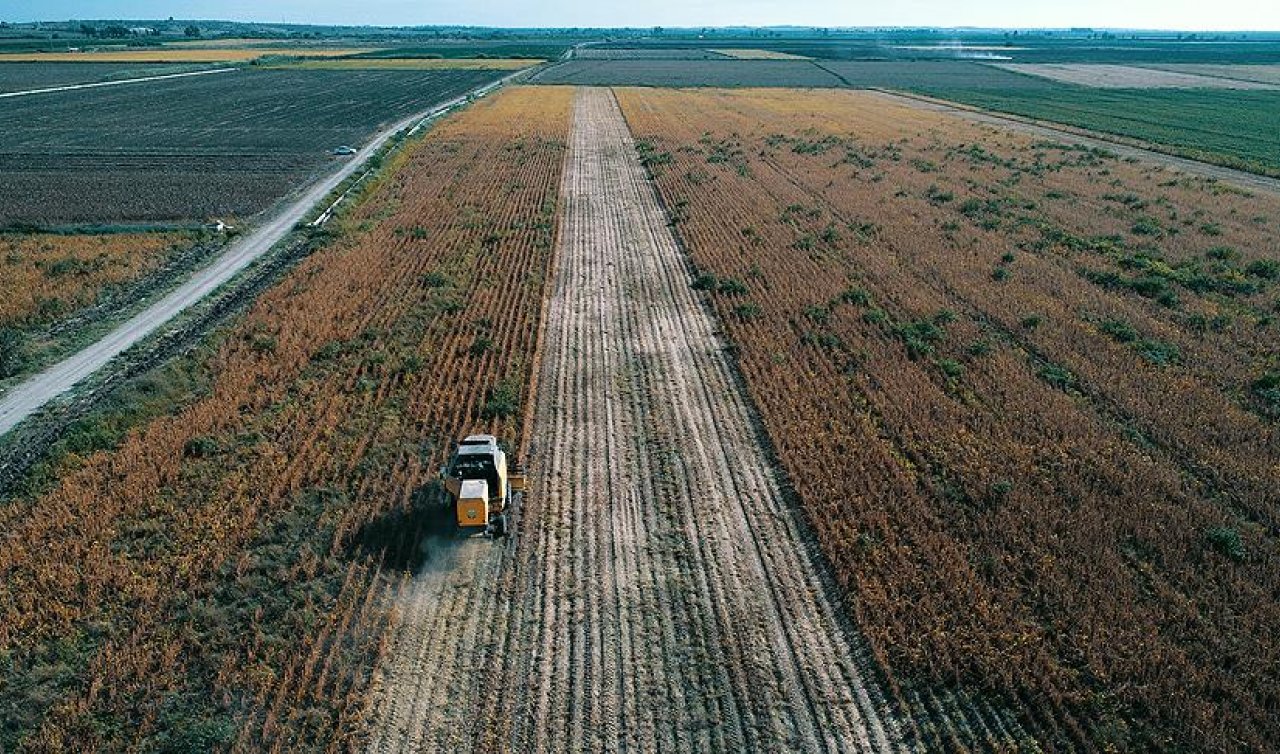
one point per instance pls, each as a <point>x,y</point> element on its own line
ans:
<point>481,489</point>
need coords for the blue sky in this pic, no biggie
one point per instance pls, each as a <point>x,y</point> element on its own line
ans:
<point>1161,14</point>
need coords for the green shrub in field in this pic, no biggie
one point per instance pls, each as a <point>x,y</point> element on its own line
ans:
<point>1147,286</point>
<point>502,401</point>
<point>1267,390</point>
<point>831,235</point>
<point>951,368</point>
<point>481,345</point>
<point>200,447</point>
<point>980,347</point>
<point>817,314</point>
<point>1119,331</point>
<point>704,281</point>
<point>436,280</point>
<point>919,336</point>
<point>939,196</point>
<point>856,296</point>
<point>1267,269</point>
<point>1227,542</point>
<point>1057,376</point>
<point>650,157</point>
<point>13,352</point>
<point>1158,352</point>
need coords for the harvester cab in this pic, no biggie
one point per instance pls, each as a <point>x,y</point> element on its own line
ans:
<point>482,489</point>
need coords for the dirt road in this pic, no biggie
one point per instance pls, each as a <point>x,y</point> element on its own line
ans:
<point>30,396</point>
<point>660,594</point>
<point>1070,135</point>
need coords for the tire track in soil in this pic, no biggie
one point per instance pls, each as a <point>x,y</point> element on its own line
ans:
<point>660,594</point>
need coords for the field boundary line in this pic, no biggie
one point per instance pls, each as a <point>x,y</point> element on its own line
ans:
<point>28,397</point>
<point>98,84</point>
<point>1123,146</point>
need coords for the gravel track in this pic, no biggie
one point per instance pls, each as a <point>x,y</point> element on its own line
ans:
<point>661,593</point>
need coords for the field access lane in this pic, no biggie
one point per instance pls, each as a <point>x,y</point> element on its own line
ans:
<point>28,397</point>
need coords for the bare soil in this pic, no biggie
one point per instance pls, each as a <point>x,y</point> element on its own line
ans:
<point>1264,74</point>
<point>661,593</point>
<point>1104,76</point>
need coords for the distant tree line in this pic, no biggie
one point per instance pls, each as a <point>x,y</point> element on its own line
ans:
<point>120,31</point>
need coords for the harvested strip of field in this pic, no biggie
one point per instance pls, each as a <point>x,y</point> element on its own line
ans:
<point>415,64</point>
<point>746,54</point>
<point>1105,76</point>
<point>659,595</point>
<point>252,532</point>
<point>178,55</point>
<point>1048,376</point>
<point>1265,74</point>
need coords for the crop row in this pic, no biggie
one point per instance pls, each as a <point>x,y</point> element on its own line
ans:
<point>220,576</point>
<point>249,135</point>
<point>1032,476</point>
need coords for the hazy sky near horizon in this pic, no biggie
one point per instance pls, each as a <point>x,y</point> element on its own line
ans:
<point>1146,14</point>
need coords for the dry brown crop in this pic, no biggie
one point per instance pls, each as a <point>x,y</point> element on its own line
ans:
<point>221,573</point>
<point>43,276</point>
<point>1027,393</point>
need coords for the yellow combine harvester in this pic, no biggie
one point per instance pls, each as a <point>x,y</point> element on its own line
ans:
<point>482,490</point>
